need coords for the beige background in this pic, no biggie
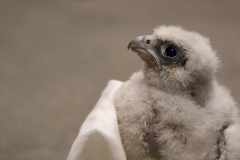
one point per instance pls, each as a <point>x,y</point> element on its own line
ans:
<point>57,56</point>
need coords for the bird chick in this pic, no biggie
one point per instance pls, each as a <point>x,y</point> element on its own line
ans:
<point>174,108</point>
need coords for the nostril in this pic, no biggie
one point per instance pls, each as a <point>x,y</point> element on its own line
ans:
<point>148,41</point>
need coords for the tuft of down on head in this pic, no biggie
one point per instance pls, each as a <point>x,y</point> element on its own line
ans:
<point>201,57</point>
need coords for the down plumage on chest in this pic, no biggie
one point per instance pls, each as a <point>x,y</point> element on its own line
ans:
<point>154,123</point>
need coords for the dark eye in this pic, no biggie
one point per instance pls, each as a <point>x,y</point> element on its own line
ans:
<point>170,52</point>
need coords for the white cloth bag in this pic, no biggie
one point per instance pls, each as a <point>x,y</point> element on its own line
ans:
<point>99,137</point>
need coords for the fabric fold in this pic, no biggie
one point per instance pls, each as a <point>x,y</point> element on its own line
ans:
<point>99,137</point>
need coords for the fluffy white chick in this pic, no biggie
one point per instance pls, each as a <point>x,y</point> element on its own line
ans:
<point>174,108</point>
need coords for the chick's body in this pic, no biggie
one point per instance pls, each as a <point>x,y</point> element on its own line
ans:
<point>175,110</point>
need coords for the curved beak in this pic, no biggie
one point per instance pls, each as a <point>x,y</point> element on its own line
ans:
<point>136,43</point>
<point>143,46</point>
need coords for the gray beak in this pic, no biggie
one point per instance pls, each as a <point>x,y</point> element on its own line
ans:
<point>136,43</point>
<point>143,45</point>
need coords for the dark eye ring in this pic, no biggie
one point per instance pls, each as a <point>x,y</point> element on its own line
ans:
<point>170,51</point>
<point>148,41</point>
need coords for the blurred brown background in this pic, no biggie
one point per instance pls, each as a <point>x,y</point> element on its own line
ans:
<point>57,56</point>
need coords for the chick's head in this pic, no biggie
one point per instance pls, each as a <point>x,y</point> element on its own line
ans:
<point>175,57</point>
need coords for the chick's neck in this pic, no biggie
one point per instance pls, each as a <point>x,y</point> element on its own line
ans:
<point>198,89</point>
